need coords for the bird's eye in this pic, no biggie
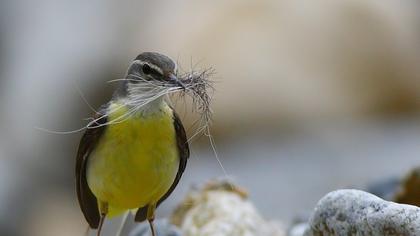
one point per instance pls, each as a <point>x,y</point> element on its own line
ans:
<point>146,69</point>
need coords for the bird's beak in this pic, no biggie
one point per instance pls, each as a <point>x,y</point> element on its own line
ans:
<point>172,78</point>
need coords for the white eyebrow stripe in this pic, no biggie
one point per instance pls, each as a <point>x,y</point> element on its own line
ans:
<point>156,68</point>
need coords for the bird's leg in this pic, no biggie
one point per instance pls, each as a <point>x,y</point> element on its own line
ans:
<point>151,218</point>
<point>152,227</point>
<point>101,222</point>
<point>103,208</point>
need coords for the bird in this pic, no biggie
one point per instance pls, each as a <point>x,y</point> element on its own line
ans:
<point>135,150</point>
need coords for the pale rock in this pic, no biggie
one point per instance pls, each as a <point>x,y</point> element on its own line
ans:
<point>219,210</point>
<point>354,212</point>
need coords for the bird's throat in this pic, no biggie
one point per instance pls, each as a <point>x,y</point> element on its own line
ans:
<point>144,110</point>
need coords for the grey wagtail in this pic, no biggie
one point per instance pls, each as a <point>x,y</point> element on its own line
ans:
<point>133,154</point>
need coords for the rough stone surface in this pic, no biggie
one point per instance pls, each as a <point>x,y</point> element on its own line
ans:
<point>354,212</point>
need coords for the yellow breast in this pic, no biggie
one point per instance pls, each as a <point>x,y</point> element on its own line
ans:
<point>135,161</point>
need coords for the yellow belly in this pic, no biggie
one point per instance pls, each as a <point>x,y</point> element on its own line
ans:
<point>135,161</point>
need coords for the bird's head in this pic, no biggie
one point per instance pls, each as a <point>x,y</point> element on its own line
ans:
<point>149,77</point>
<point>151,68</point>
<point>152,75</point>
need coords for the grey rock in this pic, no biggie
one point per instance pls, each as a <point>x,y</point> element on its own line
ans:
<point>162,226</point>
<point>354,212</point>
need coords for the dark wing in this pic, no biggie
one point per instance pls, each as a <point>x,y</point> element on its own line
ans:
<point>87,200</point>
<point>184,153</point>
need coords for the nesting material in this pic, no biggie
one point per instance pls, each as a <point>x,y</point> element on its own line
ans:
<point>198,86</point>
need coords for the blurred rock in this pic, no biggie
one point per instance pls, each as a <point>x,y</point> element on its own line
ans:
<point>222,209</point>
<point>162,226</point>
<point>354,212</point>
<point>410,192</point>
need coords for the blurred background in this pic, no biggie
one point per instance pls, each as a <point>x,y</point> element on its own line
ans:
<point>310,96</point>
